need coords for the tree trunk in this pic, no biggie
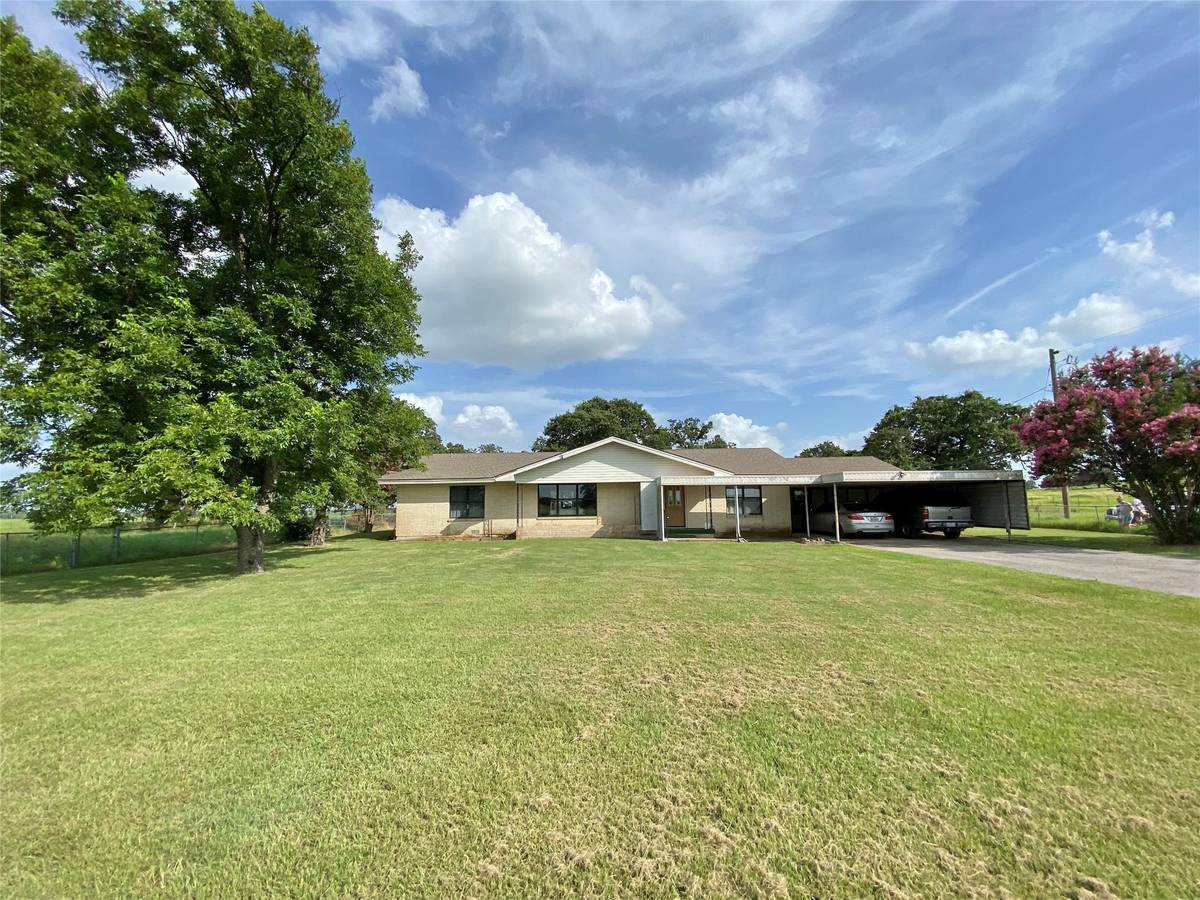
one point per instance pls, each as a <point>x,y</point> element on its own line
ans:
<point>256,552</point>
<point>245,543</point>
<point>320,531</point>
<point>368,519</point>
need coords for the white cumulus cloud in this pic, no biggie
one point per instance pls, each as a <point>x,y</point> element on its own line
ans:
<point>1143,257</point>
<point>499,287</point>
<point>400,93</point>
<point>486,420</point>
<point>1095,316</point>
<point>995,350</point>
<point>745,432</point>
<point>430,404</point>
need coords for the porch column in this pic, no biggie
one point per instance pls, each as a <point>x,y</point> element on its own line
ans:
<point>807,529</point>
<point>837,517</point>
<point>737,511</point>
<point>662,512</point>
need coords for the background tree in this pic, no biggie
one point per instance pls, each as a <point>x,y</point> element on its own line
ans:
<point>1136,415</point>
<point>280,305</point>
<point>489,448</point>
<point>691,434</point>
<point>826,449</point>
<point>350,459</point>
<point>598,418</point>
<point>970,431</point>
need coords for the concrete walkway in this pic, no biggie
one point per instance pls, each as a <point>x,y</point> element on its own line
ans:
<point>1170,574</point>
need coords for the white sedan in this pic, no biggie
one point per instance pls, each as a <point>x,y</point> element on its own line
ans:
<point>854,519</point>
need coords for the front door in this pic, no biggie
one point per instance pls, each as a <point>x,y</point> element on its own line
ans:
<point>673,507</point>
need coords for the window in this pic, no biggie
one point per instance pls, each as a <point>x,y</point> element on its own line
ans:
<point>466,501</point>
<point>751,498</point>
<point>566,500</point>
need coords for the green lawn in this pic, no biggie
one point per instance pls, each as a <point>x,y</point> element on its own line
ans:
<point>595,718</point>
<point>1089,540</point>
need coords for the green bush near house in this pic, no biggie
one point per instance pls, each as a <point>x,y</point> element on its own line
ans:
<point>559,717</point>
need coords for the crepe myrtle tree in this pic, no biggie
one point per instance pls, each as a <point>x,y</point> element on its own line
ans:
<point>1134,415</point>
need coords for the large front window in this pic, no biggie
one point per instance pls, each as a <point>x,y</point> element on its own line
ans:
<point>566,500</point>
<point>750,497</point>
<point>466,501</point>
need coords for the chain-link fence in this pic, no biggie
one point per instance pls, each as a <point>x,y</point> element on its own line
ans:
<point>28,551</point>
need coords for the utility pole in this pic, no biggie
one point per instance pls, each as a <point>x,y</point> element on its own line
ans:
<point>1066,492</point>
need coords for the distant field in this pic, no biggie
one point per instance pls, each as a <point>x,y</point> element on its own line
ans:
<point>595,718</point>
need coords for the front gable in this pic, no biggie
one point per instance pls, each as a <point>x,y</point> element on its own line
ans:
<point>611,460</point>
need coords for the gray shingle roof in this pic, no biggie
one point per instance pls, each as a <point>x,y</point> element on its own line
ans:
<point>830,465</point>
<point>467,465</point>
<point>739,461</point>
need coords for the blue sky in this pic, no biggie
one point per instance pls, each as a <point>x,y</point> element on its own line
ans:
<point>783,218</point>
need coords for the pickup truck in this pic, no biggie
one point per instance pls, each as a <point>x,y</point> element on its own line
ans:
<point>950,520</point>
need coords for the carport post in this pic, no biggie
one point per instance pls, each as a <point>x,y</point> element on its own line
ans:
<point>1007,511</point>
<point>807,529</point>
<point>837,518</point>
<point>737,512</point>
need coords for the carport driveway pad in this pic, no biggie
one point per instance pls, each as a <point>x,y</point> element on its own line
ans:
<point>1169,574</point>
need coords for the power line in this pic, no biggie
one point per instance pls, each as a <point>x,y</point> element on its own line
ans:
<point>1040,390</point>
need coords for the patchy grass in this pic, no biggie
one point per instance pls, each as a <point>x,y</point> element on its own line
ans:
<point>1128,541</point>
<point>595,718</point>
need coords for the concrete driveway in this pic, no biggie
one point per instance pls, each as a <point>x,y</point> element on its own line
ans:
<point>1171,574</point>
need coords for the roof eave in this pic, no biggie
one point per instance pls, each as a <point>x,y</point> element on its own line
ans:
<point>567,454</point>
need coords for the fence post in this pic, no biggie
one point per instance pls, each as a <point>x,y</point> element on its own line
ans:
<point>114,554</point>
<point>73,553</point>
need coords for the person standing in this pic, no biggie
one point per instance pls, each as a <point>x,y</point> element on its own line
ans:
<point>1124,512</point>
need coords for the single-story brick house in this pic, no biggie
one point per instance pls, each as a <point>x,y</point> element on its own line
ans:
<point>616,488</point>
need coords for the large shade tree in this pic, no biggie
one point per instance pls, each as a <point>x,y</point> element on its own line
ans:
<point>95,393</point>
<point>260,303</point>
<point>598,418</point>
<point>969,431</point>
<point>1134,415</point>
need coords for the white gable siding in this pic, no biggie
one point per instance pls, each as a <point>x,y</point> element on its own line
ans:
<point>612,462</point>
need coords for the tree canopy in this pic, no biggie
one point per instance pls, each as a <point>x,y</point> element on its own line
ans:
<point>232,349</point>
<point>826,448</point>
<point>598,418</point>
<point>969,431</point>
<point>1135,416</point>
<point>692,434</point>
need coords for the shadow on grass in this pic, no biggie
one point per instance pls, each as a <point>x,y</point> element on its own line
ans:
<point>139,579</point>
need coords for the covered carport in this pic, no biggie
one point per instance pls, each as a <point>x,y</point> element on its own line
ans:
<point>996,497</point>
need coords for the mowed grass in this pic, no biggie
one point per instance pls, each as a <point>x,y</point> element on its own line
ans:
<point>604,718</point>
<point>1129,541</point>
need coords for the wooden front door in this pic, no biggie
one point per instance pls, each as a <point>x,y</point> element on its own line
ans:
<point>673,506</point>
